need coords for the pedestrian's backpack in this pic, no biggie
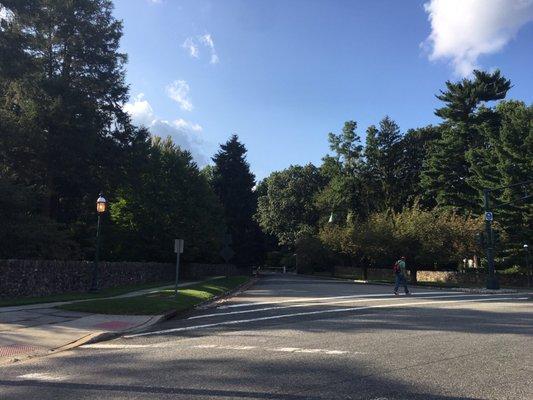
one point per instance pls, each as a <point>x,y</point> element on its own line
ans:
<point>396,267</point>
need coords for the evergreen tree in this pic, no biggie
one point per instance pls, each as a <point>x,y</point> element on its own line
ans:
<point>343,194</point>
<point>445,179</point>
<point>234,184</point>
<point>62,88</point>
<point>389,162</point>
<point>372,184</point>
<point>415,146</point>
<point>383,166</point>
<point>166,198</point>
<point>506,160</point>
<point>24,232</point>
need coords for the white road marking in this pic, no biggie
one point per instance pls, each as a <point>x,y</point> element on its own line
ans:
<point>334,310</point>
<point>263,303</point>
<point>336,352</point>
<point>355,300</point>
<point>112,346</point>
<point>223,347</point>
<point>310,350</point>
<point>287,349</point>
<point>41,376</point>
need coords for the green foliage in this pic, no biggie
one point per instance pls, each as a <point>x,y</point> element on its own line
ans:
<point>342,192</point>
<point>428,238</point>
<point>313,256</point>
<point>171,199</point>
<point>286,207</point>
<point>448,170</point>
<point>24,233</point>
<point>506,160</point>
<point>64,137</point>
<point>234,184</point>
<point>384,164</point>
<point>63,131</point>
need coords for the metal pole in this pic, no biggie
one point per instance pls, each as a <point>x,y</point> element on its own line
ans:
<point>94,282</point>
<point>177,272</point>
<point>492,279</point>
<point>528,269</point>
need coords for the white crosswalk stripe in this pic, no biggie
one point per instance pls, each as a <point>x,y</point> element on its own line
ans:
<point>328,311</point>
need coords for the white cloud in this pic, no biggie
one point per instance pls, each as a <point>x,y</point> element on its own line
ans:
<point>179,92</point>
<point>463,30</point>
<point>183,133</point>
<point>207,40</point>
<point>140,110</point>
<point>182,124</point>
<point>214,59</point>
<point>192,44</point>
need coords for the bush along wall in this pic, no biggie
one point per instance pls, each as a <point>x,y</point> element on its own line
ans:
<point>452,278</point>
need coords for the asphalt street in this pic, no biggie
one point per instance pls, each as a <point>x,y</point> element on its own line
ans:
<point>292,337</point>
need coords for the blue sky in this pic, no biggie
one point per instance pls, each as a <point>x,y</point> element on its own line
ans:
<point>283,73</point>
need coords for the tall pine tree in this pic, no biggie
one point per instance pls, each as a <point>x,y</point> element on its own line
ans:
<point>506,160</point>
<point>63,129</point>
<point>383,166</point>
<point>343,195</point>
<point>445,179</point>
<point>234,184</point>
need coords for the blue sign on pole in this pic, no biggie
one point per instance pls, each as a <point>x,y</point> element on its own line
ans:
<point>488,216</point>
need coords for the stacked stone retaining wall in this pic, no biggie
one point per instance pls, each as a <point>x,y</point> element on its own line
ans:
<point>22,278</point>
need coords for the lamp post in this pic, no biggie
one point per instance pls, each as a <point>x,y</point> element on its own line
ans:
<point>529,271</point>
<point>101,206</point>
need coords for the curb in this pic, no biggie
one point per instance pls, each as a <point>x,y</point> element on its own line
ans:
<point>108,335</point>
<point>156,319</point>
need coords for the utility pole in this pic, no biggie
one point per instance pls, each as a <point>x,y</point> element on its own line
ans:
<point>492,279</point>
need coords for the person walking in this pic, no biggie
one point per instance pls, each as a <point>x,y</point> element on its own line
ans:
<point>399,272</point>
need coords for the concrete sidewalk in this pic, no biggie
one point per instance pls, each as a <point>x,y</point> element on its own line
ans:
<point>40,329</point>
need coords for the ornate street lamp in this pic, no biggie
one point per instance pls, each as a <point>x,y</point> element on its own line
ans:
<point>101,207</point>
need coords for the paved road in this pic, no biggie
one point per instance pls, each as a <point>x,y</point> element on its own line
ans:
<point>296,338</point>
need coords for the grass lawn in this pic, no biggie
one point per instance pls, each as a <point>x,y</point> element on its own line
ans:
<point>161,301</point>
<point>80,295</point>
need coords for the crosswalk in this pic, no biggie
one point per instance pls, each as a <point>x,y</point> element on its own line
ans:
<point>231,315</point>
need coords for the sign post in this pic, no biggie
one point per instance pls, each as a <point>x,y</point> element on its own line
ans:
<point>492,279</point>
<point>178,249</point>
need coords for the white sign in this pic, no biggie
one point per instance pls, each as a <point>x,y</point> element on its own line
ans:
<point>178,246</point>
<point>488,216</point>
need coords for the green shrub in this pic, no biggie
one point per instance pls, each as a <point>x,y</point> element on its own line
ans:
<point>273,259</point>
<point>428,238</point>
<point>313,256</point>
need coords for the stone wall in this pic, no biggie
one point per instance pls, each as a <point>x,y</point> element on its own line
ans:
<point>21,278</point>
<point>472,278</point>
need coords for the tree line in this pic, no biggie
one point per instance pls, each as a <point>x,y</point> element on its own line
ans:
<point>418,193</point>
<point>65,137</point>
